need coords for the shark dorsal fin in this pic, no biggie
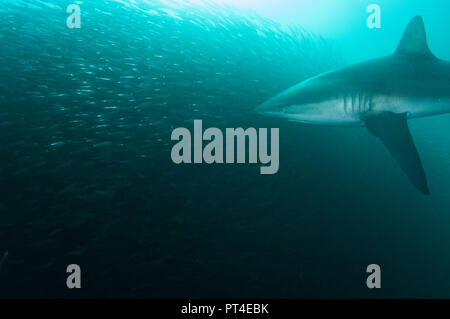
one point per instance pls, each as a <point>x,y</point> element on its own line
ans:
<point>414,40</point>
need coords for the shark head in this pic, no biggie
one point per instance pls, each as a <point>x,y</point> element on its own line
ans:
<point>318,100</point>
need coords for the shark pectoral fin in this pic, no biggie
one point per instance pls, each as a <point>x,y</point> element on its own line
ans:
<point>392,129</point>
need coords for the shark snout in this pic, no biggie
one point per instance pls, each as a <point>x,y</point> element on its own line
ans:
<point>271,106</point>
<point>262,108</point>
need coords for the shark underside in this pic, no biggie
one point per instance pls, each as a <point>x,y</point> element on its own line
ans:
<point>380,94</point>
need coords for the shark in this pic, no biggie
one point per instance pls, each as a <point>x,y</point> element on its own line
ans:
<point>380,94</point>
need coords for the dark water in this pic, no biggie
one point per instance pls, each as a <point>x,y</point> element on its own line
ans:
<point>86,175</point>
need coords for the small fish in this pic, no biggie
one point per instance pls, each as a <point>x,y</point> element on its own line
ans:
<point>101,144</point>
<point>55,144</point>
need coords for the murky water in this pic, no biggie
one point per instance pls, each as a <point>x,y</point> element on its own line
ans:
<point>86,175</point>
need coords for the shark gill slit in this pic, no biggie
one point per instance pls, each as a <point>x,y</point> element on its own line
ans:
<point>356,104</point>
<point>352,100</point>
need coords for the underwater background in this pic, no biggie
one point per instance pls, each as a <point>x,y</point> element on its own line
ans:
<point>86,176</point>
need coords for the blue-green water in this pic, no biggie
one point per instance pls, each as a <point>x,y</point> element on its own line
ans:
<point>86,175</point>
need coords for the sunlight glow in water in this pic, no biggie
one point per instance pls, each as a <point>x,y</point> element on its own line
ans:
<point>323,16</point>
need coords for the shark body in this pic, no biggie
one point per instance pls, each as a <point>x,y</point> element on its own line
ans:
<point>380,94</point>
